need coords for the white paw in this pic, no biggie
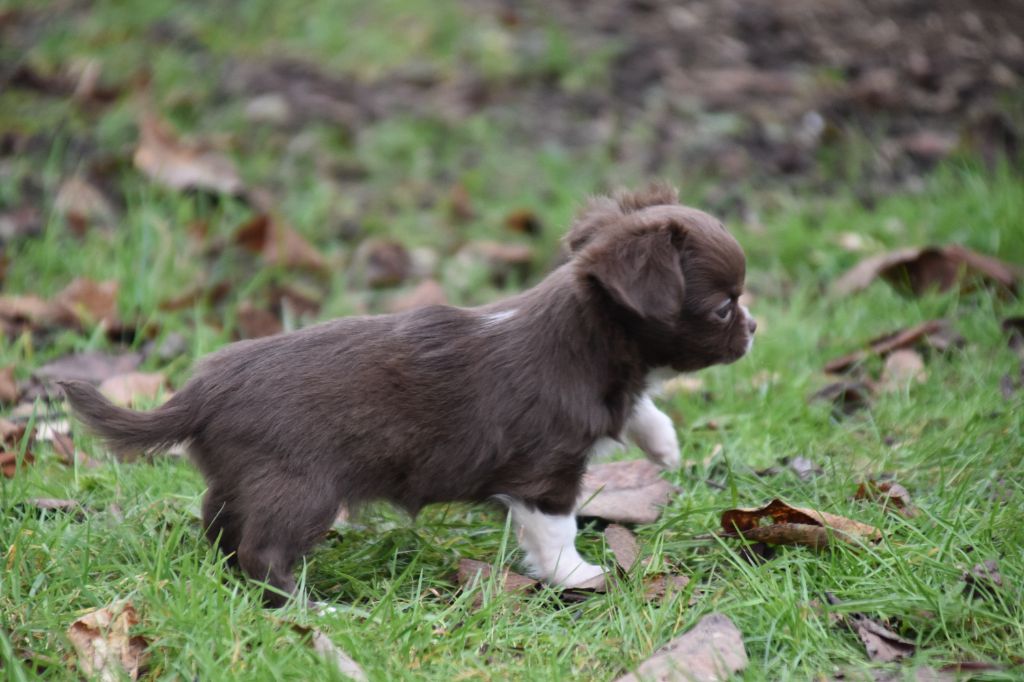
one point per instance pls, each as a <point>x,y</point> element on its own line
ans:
<point>668,460</point>
<point>582,575</point>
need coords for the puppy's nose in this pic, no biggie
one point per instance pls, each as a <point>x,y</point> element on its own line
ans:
<point>751,324</point>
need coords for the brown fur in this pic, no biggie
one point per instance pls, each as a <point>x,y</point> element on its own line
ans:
<point>436,405</point>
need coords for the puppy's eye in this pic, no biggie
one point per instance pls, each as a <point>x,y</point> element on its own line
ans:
<point>724,311</point>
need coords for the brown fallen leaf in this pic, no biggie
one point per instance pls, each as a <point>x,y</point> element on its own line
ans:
<point>254,322</point>
<point>54,504</point>
<point>87,302</point>
<point>983,580</point>
<point>12,443</point>
<point>503,261</point>
<point>472,572</point>
<point>8,386</point>
<point>83,205</point>
<point>329,651</point>
<point>804,468</point>
<point>381,263</point>
<point>902,368</point>
<point>210,294</point>
<point>1014,328</point>
<point>131,388</point>
<point>891,494</point>
<point>846,397</point>
<point>712,650</point>
<point>166,159</point>
<point>460,204</point>
<point>917,270</point>
<point>938,334</point>
<point>623,545</point>
<point>106,648</point>
<point>624,492</point>
<point>662,587</point>
<point>523,221</point>
<point>882,644</point>
<point>794,525</point>
<point>65,449</point>
<point>427,292</point>
<point>91,366</point>
<point>24,221</point>
<point>279,244</point>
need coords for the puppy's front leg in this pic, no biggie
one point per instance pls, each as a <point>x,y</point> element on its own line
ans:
<point>652,431</point>
<point>549,541</point>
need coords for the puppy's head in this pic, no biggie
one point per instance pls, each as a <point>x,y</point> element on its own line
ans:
<point>673,274</point>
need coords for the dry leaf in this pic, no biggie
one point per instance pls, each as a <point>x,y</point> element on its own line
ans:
<point>524,221</point>
<point>54,504</point>
<point>623,545</point>
<point>329,651</point>
<point>106,649</point>
<point>502,261</point>
<point>472,572</point>
<point>1014,328</point>
<point>69,456</point>
<point>624,492</point>
<point>460,205</point>
<point>804,468</point>
<point>902,368</point>
<point>8,386</point>
<point>81,204</point>
<point>918,270</point>
<point>711,651</point>
<point>662,587</point>
<point>794,526</point>
<point>88,302</point>
<point>938,334</point>
<point>24,221</point>
<point>180,166</point>
<point>427,292</point>
<point>279,244</point>
<point>381,263</point>
<point>882,644</point>
<point>891,494</point>
<point>210,294</point>
<point>11,437</point>
<point>846,397</point>
<point>91,366</point>
<point>254,322</point>
<point>984,579</point>
<point>132,388</point>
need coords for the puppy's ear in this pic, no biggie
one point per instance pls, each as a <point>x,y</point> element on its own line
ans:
<point>601,213</point>
<point>640,272</point>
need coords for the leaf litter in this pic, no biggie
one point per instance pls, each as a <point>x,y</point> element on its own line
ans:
<point>778,523</point>
<point>105,646</point>
<point>624,492</point>
<point>712,650</point>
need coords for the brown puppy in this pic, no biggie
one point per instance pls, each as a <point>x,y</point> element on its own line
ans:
<point>440,404</point>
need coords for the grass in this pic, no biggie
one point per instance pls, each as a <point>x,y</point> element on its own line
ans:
<point>954,441</point>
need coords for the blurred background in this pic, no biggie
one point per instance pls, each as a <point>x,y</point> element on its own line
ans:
<point>179,174</point>
<point>308,159</point>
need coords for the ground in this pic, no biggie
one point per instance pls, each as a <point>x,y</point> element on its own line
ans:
<point>821,133</point>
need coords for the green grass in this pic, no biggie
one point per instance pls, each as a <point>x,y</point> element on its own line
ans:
<point>953,441</point>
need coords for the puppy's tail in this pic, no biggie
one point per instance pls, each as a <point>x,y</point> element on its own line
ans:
<point>125,431</point>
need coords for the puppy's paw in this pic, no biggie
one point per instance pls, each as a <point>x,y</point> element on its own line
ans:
<point>584,576</point>
<point>668,460</point>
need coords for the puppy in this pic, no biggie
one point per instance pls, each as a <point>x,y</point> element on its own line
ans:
<point>439,404</point>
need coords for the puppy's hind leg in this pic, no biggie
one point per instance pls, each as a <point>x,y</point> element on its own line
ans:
<point>652,431</point>
<point>549,541</point>
<point>220,521</point>
<point>284,518</point>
